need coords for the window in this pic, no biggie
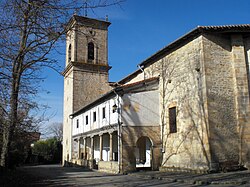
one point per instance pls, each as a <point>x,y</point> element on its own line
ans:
<point>94,116</point>
<point>172,120</point>
<point>114,108</point>
<point>87,120</point>
<point>77,123</point>
<point>69,53</point>
<point>91,51</point>
<point>103,112</point>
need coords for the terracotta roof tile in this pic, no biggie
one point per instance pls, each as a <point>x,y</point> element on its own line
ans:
<point>215,27</point>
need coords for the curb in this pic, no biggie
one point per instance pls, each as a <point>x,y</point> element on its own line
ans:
<point>228,182</point>
<point>190,181</point>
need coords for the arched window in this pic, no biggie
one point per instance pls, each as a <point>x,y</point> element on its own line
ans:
<point>91,51</point>
<point>69,53</point>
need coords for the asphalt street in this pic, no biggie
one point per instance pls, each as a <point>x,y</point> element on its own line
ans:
<point>56,175</point>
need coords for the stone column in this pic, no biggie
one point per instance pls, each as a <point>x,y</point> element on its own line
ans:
<point>91,160</point>
<point>79,148</point>
<point>101,143</point>
<point>92,148</point>
<point>110,146</point>
<point>84,149</point>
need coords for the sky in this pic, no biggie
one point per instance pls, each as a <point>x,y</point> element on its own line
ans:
<point>139,28</point>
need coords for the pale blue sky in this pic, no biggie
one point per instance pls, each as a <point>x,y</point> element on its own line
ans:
<point>140,28</point>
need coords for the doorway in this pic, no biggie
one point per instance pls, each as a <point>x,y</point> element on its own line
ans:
<point>143,152</point>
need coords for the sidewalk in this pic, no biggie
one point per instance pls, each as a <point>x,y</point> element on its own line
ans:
<point>230,178</point>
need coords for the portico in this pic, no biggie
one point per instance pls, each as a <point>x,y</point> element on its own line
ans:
<point>96,148</point>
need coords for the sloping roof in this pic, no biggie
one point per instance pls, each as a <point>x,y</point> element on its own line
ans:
<point>244,28</point>
<point>225,27</point>
<point>196,32</point>
<point>145,81</point>
<point>117,90</point>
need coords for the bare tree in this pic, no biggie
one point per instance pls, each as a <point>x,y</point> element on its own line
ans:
<point>55,130</point>
<point>29,30</point>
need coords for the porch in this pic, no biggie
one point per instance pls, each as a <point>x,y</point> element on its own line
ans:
<point>97,151</point>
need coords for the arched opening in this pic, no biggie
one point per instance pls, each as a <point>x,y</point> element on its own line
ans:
<point>143,152</point>
<point>91,51</point>
<point>69,53</point>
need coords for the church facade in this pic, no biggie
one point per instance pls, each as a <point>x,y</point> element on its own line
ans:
<point>185,108</point>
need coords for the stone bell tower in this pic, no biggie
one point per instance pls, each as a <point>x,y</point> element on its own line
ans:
<point>86,71</point>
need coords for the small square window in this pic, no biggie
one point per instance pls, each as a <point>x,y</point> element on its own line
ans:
<point>103,112</point>
<point>94,116</point>
<point>172,120</point>
<point>87,120</point>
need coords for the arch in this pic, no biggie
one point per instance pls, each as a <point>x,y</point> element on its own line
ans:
<point>143,152</point>
<point>69,53</point>
<point>91,51</point>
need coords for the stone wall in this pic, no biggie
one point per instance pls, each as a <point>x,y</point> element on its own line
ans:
<point>206,80</point>
<point>67,110</point>
<point>220,84</point>
<point>84,80</point>
<point>246,132</point>
<point>130,136</point>
<point>109,167</point>
<point>98,37</point>
<point>88,86</point>
<point>241,49</point>
<point>182,86</point>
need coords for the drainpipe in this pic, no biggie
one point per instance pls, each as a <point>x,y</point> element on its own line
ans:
<point>71,139</point>
<point>119,130</point>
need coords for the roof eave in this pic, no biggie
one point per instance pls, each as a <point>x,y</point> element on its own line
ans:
<point>118,90</point>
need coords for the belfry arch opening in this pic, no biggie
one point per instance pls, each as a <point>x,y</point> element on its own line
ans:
<point>69,53</point>
<point>91,51</point>
<point>143,153</point>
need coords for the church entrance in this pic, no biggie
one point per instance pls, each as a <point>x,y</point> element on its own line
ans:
<point>143,153</point>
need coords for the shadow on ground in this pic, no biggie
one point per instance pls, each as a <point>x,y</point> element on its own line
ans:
<point>43,175</point>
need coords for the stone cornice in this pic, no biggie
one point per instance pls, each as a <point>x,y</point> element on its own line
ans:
<point>81,20</point>
<point>79,66</point>
<point>68,67</point>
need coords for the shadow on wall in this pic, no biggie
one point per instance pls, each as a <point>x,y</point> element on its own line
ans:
<point>132,131</point>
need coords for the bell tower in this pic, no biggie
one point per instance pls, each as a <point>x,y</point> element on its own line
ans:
<point>86,71</point>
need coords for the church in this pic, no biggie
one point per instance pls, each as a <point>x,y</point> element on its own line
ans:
<point>185,108</point>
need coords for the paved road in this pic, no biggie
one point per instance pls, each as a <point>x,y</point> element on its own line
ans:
<point>55,175</point>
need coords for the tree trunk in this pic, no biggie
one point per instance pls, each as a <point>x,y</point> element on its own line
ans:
<point>10,125</point>
<point>14,92</point>
<point>4,155</point>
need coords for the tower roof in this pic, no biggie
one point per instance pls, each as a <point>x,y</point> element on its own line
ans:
<point>91,22</point>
